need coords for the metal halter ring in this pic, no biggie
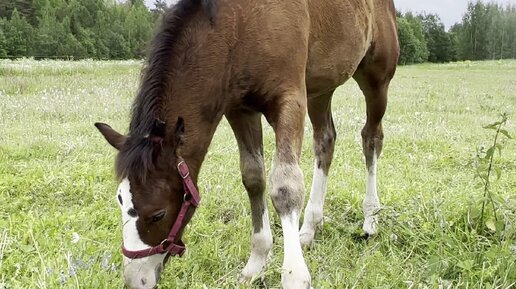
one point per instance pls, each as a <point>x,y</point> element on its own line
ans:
<point>179,170</point>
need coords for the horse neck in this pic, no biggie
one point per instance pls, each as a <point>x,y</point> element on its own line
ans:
<point>201,109</point>
<point>195,92</point>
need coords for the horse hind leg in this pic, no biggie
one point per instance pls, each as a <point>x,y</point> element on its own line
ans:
<point>324,135</point>
<point>374,82</point>
<point>248,132</point>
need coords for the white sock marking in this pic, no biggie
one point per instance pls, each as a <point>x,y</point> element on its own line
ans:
<point>261,247</point>
<point>295,272</point>
<point>314,208</point>
<point>371,202</point>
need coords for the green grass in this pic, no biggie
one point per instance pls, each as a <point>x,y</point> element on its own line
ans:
<point>56,182</point>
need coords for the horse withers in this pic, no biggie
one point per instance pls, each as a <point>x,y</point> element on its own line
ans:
<point>243,59</point>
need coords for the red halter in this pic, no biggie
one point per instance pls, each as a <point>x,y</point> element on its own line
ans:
<point>170,245</point>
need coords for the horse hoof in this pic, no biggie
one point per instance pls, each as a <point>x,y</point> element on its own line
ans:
<point>249,277</point>
<point>370,226</point>
<point>296,278</point>
<point>306,239</point>
<point>245,279</point>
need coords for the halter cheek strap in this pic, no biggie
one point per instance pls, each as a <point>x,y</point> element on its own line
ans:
<point>171,245</point>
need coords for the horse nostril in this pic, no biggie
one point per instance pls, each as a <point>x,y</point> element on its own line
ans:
<point>144,281</point>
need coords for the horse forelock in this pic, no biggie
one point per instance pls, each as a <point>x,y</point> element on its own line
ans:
<point>136,159</point>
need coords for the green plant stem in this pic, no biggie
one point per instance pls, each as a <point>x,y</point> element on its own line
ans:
<point>487,193</point>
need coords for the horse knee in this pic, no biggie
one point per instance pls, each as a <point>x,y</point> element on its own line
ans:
<point>287,188</point>
<point>253,176</point>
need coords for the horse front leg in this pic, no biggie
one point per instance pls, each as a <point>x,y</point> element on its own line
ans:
<point>287,191</point>
<point>248,132</point>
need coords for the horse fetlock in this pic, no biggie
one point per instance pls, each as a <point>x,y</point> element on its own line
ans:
<point>313,216</point>
<point>261,253</point>
<point>312,221</point>
<point>371,205</point>
<point>372,209</point>
<point>306,236</point>
<point>262,243</point>
<point>255,266</point>
<point>252,270</point>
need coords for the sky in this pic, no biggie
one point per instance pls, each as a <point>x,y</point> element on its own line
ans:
<point>450,11</point>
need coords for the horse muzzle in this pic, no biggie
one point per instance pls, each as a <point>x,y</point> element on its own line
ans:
<point>143,273</point>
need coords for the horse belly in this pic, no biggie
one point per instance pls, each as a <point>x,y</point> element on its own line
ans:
<point>327,73</point>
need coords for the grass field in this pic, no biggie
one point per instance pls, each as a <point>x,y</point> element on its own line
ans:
<point>60,223</point>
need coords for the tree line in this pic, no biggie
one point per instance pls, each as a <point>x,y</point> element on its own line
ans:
<point>114,29</point>
<point>99,29</point>
<point>487,31</point>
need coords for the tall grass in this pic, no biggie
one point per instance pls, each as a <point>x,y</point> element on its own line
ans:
<point>60,224</point>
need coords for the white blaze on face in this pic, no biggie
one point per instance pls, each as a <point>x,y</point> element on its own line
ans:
<point>138,273</point>
<point>130,234</point>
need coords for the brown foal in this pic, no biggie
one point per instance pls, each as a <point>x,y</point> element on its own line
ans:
<point>243,59</point>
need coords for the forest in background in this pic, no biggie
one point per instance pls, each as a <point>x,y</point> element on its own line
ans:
<point>109,29</point>
<point>76,29</point>
<point>487,31</point>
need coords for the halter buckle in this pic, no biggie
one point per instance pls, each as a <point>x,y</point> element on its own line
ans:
<point>182,162</point>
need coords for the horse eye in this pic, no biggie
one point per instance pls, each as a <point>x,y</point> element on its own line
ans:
<point>158,216</point>
<point>132,212</point>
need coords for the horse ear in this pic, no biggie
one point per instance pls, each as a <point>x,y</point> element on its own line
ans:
<point>114,138</point>
<point>180,130</point>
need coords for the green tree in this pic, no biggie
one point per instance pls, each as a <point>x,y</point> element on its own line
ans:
<point>69,46</point>
<point>110,40</point>
<point>3,39</point>
<point>487,31</point>
<point>507,44</point>
<point>18,35</point>
<point>473,35</point>
<point>138,27</point>
<point>439,43</point>
<point>412,49</point>
<point>104,29</point>
<point>24,8</point>
<point>48,34</point>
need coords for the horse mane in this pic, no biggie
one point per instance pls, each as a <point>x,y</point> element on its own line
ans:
<point>157,69</point>
<point>137,156</point>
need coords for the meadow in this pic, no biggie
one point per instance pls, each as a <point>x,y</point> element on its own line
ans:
<point>60,222</point>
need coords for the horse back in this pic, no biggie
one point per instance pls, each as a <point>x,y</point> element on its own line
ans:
<point>278,45</point>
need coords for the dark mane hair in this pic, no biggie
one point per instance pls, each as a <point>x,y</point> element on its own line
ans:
<point>137,158</point>
<point>157,68</point>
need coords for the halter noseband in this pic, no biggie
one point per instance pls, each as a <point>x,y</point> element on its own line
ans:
<point>170,245</point>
